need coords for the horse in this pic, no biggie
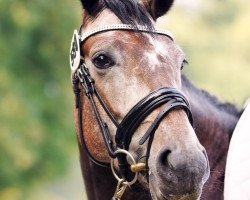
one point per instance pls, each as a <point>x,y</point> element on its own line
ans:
<point>135,112</point>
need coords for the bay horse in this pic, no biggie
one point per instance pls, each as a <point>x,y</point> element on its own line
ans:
<point>137,114</point>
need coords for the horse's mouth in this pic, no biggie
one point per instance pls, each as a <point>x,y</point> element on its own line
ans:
<point>161,196</point>
<point>160,192</point>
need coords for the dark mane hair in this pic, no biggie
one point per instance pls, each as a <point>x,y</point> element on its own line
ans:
<point>128,11</point>
<point>223,106</point>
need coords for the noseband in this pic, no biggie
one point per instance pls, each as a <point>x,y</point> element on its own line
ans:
<point>166,98</point>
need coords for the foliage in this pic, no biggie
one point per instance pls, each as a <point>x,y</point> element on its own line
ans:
<point>215,37</point>
<point>36,132</point>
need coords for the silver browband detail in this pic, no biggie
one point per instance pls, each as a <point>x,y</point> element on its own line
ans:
<point>114,27</point>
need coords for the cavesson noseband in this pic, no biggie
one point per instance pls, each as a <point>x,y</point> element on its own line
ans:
<point>168,98</point>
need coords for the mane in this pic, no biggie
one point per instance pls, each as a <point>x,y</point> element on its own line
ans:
<point>128,11</point>
<point>227,107</point>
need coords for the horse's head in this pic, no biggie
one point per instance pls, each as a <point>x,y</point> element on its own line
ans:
<point>127,65</point>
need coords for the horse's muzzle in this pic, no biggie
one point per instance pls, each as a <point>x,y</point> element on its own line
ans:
<point>179,174</point>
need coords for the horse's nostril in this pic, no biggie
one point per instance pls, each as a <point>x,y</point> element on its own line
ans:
<point>164,158</point>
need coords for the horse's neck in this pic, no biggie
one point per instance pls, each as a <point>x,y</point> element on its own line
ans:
<point>214,123</point>
<point>99,181</point>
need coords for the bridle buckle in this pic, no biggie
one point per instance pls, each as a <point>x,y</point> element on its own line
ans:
<point>85,79</point>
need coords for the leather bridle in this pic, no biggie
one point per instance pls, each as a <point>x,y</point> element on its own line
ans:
<point>166,98</point>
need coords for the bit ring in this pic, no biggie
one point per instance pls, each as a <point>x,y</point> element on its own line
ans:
<point>113,169</point>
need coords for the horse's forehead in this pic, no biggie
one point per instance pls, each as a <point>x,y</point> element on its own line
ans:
<point>158,47</point>
<point>164,49</point>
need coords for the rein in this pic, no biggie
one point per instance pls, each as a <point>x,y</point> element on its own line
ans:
<point>168,98</point>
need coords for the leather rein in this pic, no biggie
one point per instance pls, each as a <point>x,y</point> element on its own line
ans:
<point>168,98</point>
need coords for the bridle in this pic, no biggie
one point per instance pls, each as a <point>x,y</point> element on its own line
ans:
<point>168,98</point>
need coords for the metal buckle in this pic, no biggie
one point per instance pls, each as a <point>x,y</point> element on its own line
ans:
<point>85,79</point>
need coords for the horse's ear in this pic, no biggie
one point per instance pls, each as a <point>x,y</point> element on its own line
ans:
<point>89,5</point>
<point>157,8</point>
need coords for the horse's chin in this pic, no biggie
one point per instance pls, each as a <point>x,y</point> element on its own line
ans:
<point>161,196</point>
<point>161,192</point>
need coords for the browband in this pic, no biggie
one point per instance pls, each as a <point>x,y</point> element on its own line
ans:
<point>79,38</point>
<point>128,27</point>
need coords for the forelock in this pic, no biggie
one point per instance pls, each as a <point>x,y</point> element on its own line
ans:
<point>128,11</point>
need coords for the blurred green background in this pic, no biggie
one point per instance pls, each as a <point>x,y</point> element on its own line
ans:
<point>38,149</point>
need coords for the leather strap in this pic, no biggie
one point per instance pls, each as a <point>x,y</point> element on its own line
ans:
<point>171,105</point>
<point>143,108</point>
<point>171,98</point>
<point>124,27</point>
<point>78,106</point>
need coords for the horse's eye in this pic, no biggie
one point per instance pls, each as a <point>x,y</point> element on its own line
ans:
<point>185,62</point>
<point>102,61</point>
